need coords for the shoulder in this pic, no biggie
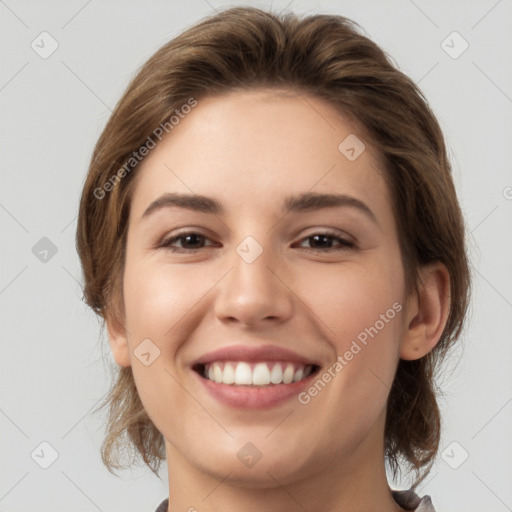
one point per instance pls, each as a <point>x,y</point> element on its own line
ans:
<point>409,500</point>
<point>163,506</point>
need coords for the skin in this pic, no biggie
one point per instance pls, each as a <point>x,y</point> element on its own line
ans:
<point>249,150</point>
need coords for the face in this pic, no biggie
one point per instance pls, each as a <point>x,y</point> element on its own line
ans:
<point>263,290</point>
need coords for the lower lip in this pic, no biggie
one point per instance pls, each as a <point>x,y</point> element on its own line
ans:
<point>254,397</point>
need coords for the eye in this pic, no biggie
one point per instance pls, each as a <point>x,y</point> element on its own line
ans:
<point>324,242</point>
<point>318,242</point>
<point>186,242</point>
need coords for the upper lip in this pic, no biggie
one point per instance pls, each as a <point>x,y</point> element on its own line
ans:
<point>246,353</point>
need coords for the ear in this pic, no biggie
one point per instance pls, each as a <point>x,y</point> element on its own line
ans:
<point>118,339</point>
<point>427,312</point>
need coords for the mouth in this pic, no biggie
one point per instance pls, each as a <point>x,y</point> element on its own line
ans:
<point>259,374</point>
<point>254,377</point>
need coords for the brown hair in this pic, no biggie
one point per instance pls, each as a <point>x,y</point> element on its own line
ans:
<point>321,55</point>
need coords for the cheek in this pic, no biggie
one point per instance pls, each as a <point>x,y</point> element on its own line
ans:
<point>158,303</point>
<point>360,313</point>
<point>158,300</point>
<point>353,298</point>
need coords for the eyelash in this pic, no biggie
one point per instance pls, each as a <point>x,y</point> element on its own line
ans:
<point>345,245</point>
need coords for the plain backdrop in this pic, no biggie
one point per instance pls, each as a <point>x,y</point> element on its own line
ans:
<point>55,362</point>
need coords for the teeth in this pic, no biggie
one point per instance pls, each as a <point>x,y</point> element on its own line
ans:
<point>288,374</point>
<point>259,374</point>
<point>243,374</point>
<point>228,377</point>
<point>276,375</point>
<point>217,373</point>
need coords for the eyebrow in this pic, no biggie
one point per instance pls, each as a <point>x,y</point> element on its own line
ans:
<point>300,203</point>
<point>193,202</point>
<point>313,201</point>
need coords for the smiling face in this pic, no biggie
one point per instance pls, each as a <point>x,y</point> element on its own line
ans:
<point>257,251</point>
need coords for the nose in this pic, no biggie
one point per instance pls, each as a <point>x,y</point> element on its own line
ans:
<point>254,295</point>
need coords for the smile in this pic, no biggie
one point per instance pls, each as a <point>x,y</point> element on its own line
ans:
<point>254,377</point>
<point>242,373</point>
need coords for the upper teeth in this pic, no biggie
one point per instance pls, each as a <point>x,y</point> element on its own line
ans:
<point>260,374</point>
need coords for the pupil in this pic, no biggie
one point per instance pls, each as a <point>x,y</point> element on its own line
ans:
<point>322,240</point>
<point>192,239</point>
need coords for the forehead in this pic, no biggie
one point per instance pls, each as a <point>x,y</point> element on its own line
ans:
<point>254,147</point>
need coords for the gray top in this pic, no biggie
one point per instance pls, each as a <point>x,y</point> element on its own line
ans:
<point>408,500</point>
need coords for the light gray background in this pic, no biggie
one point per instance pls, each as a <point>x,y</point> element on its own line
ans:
<point>52,373</point>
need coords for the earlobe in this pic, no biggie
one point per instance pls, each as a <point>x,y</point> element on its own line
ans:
<point>427,312</point>
<point>118,340</point>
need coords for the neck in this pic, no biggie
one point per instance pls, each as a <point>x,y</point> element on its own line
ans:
<point>356,484</point>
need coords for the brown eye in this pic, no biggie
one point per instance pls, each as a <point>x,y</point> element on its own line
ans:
<point>186,242</point>
<point>326,242</point>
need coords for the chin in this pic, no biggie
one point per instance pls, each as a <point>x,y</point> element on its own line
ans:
<point>255,465</point>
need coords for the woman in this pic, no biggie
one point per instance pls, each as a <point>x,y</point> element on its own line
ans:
<point>270,230</point>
